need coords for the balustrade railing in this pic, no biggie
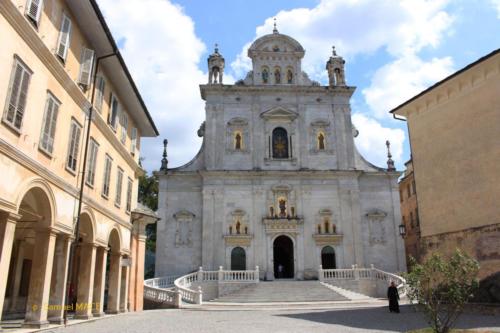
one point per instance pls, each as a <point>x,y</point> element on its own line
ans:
<point>174,289</point>
<point>356,273</point>
<point>161,290</point>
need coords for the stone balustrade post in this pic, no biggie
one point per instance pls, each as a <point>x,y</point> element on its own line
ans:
<point>221,274</point>
<point>256,274</point>
<point>199,296</point>
<point>177,299</point>
<point>356,272</point>
<point>321,277</point>
<point>200,274</point>
<point>372,272</point>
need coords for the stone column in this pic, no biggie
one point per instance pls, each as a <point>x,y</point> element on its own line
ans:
<point>85,281</point>
<point>41,271</point>
<point>114,284</point>
<point>7,233</point>
<point>99,281</point>
<point>18,271</point>
<point>59,279</point>
<point>124,289</point>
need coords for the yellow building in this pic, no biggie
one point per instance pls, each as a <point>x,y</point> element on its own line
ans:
<point>50,51</point>
<point>454,130</point>
<point>409,213</point>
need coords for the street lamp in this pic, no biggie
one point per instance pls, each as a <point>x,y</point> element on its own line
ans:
<point>402,230</point>
<point>76,229</point>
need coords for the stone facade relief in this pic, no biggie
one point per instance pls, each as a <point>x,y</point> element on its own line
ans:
<point>184,229</point>
<point>376,228</point>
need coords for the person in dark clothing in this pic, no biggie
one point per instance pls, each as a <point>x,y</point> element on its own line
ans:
<point>393,296</point>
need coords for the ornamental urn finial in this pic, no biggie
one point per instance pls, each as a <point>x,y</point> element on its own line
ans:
<point>390,162</point>
<point>164,161</point>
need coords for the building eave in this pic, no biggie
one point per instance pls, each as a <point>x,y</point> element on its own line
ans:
<point>398,110</point>
<point>99,35</point>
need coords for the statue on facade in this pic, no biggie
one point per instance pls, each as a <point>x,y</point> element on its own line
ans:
<point>277,76</point>
<point>215,67</point>
<point>335,68</point>
<point>282,205</point>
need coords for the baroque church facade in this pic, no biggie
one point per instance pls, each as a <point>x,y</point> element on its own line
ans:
<point>278,182</point>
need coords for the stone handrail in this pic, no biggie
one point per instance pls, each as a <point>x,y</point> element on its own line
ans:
<point>160,290</point>
<point>184,283</point>
<point>161,282</point>
<point>188,295</point>
<point>356,273</point>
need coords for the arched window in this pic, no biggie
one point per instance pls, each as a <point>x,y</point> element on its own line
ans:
<point>328,258</point>
<point>238,259</point>
<point>265,75</point>
<point>321,141</point>
<point>277,75</point>
<point>289,76</point>
<point>238,141</point>
<point>280,143</point>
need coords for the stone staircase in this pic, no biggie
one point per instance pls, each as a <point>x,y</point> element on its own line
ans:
<point>350,295</point>
<point>283,291</point>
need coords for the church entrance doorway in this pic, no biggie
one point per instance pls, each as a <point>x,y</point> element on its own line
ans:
<point>238,259</point>
<point>328,258</point>
<point>283,258</point>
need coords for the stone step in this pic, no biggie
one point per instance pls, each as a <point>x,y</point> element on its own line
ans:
<point>282,291</point>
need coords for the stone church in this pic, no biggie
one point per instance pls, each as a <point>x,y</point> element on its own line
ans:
<point>278,182</point>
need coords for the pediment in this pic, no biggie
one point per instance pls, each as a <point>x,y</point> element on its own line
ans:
<point>376,214</point>
<point>184,214</point>
<point>238,122</point>
<point>238,212</point>
<point>279,113</point>
<point>320,123</point>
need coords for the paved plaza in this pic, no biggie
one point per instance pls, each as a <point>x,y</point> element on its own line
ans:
<point>374,319</point>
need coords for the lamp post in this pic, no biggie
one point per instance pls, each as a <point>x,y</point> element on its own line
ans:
<point>402,230</point>
<point>76,230</point>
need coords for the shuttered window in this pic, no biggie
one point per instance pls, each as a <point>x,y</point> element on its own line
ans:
<point>64,38</point>
<point>86,65</point>
<point>113,112</point>
<point>16,97</point>
<point>124,127</point>
<point>130,183</point>
<point>119,181</point>
<point>99,93</point>
<point>74,145</point>
<point>34,10</point>
<point>107,176</point>
<point>133,138</point>
<point>92,161</point>
<point>48,132</point>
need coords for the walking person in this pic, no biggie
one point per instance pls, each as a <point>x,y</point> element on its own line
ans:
<point>393,296</point>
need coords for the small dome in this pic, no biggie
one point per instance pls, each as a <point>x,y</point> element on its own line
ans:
<point>276,42</point>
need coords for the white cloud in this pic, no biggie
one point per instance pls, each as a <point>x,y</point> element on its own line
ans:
<point>400,80</point>
<point>161,49</point>
<point>356,27</point>
<point>371,140</point>
<point>496,5</point>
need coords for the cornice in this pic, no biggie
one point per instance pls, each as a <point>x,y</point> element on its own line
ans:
<point>15,154</point>
<point>457,84</point>
<point>30,36</point>
<point>206,89</point>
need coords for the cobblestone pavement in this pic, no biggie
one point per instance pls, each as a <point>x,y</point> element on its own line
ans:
<point>339,320</point>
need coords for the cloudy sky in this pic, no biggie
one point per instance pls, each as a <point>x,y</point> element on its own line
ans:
<point>393,50</point>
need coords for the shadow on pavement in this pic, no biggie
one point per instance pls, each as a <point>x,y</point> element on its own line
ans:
<point>382,319</point>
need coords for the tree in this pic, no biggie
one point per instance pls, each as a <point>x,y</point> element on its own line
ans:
<point>148,196</point>
<point>441,287</point>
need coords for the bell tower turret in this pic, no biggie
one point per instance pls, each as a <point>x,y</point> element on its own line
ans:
<point>215,67</point>
<point>335,68</point>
